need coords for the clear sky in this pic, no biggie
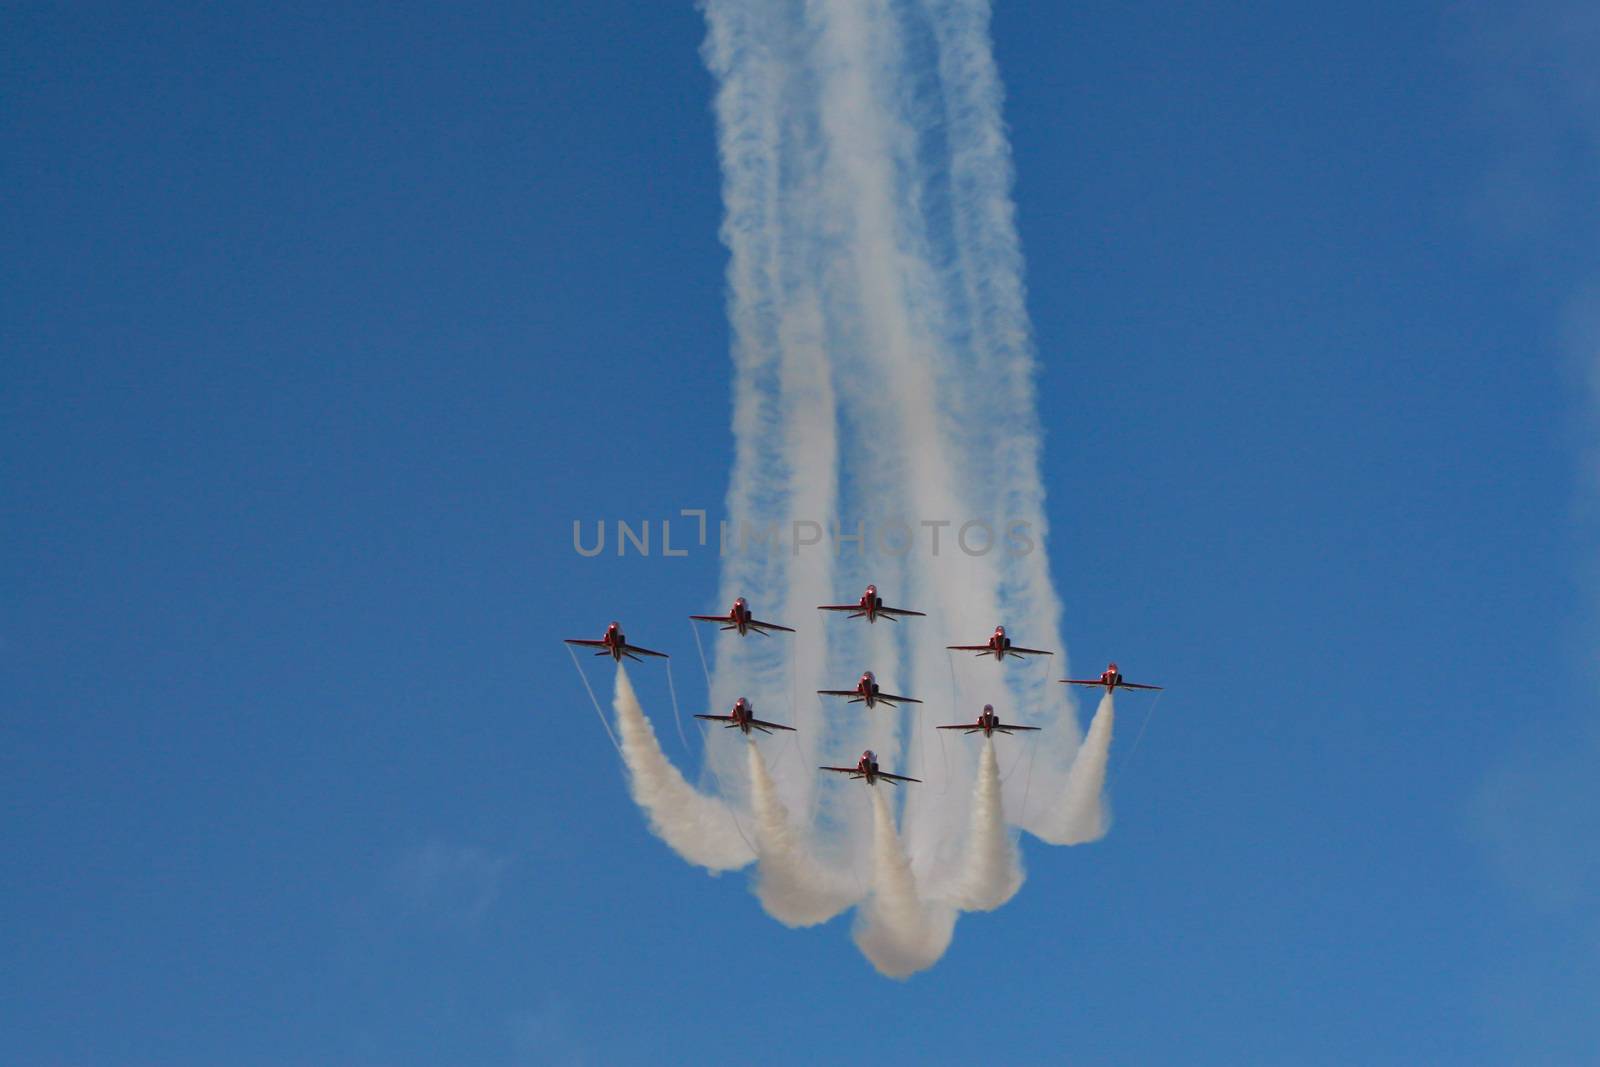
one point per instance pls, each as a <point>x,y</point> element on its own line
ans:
<point>318,330</point>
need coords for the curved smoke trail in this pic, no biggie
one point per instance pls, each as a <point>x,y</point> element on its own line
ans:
<point>994,870</point>
<point>1082,813</point>
<point>897,930</point>
<point>699,828</point>
<point>792,883</point>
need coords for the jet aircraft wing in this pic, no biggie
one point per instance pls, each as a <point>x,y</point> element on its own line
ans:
<point>760,725</point>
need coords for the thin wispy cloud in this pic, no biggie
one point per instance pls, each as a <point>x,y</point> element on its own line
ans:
<point>449,884</point>
<point>1536,813</point>
<point>547,1036</point>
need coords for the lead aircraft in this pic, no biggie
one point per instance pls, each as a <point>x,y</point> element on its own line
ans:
<point>869,607</point>
<point>988,724</point>
<point>999,646</point>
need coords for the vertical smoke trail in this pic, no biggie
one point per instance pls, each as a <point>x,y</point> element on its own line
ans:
<point>699,828</point>
<point>785,424</point>
<point>987,285</point>
<point>993,871</point>
<point>1079,814</point>
<point>793,885</point>
<point>860,190</point>
<point>884,288</point>
<point>897,930</point>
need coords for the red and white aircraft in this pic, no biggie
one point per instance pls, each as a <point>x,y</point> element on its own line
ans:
<point>999,646</point>
<point>989,723</point>
<point>739,618</point>
<point>1111,678</point>
<point>866,769</point>
<point>867,689</point>
<point>869,607</point>
<point>615,645</point>
<point>744,717</point>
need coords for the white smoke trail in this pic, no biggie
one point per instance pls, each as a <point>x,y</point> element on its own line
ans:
<point>1081,813</point>
<point>699,828</point>
<point>897,930</point>
<point>793,884</point>
<point>785,424</point>
<point>993,871</point>
<point>1000,423</point>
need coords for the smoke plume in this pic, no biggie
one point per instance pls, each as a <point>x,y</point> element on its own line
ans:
<point>793,885</point>
<point>1081,814</point>
<point>993,872</point>
<point>897,930</point>
<point>699,828</point>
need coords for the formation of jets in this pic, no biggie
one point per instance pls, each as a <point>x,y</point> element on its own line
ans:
<point>871,607</point>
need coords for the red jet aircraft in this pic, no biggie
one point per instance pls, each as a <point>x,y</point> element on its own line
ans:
<point>989,723</point>
<point>1111,678</point>
<point>866,769</point>
<point>616,646</point>
<point>999,646</point>
<point>867,690</point>
<point>739,618</point>
<point>744,717</point>
<point>869,607</point>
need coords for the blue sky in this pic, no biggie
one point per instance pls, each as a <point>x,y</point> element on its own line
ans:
<point>320,329</point>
